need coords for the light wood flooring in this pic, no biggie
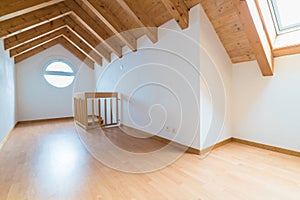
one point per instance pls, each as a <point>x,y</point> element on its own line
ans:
<point>47,160</point>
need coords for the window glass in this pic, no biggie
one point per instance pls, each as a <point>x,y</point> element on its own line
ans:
<point>286,15</point>
<point>59,74</point>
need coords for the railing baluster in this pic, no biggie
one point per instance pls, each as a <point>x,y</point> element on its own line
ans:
<point>93,112</point>
<point>99,110</point>
<point>111,111</point>
<point>105,111</point>
<point>80,110</point>
<point>117,110</point>
<point>82,103</point>
<point>86,113</point>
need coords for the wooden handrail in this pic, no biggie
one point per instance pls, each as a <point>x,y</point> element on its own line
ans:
<point>93,95</point>
<point>86,102</point>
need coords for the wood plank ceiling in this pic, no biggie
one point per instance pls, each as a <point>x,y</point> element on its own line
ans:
<point>90,29</point>
<point>243,38</point>
<point>226,21</point>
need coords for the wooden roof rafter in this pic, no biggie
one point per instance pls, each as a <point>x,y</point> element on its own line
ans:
<point>263,53</point>
<point>60,40</point>
<point>179,11</point>
<point>27,27</point>
<point>35,43</point>
<point>83,33</point>
<point>143,21</point>
<point>33,19</point>
<point>35,50</point>
<point>34,33</point>
<point>67,45</point>
<point>82,46</point>
<point>93,26</point>
<point>45,29</point>
<point>89,26</point>
<point>63,32</point>
<point>110,21</point>
<point>13,8</point>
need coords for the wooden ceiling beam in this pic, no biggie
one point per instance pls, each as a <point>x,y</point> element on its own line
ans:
<point>94,27</point>
<point>35,43</point>
<point>51,42</point>
<point>111,22</point>
<point>103,42</point>
<point>131,8</point>
<point>12,8</point>
<point>70,47</point>
<point>35,51</point>
<point>82,46</point>
<point>90,39</point>
<point>260,46</point>
<point>192,3</point>
<point>33,19</point>
<point>34,33</point>
<point>179,11</point>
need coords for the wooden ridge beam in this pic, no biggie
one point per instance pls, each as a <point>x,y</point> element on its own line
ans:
<point>70,47</point>
<point>33,19</point>
<point>35,51</point>
<point>179,11</point>
<point>94,27</point>
<point>13,8</point>
<point>142,20</point>
<point>111,22</point>
<point>35,43</point>
<point>34,33</point>
<point>82,46</point>
<point>257,39</point>
<point>85,35</point>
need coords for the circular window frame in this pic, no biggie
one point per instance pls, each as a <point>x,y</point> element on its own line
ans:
<point>69,64</point>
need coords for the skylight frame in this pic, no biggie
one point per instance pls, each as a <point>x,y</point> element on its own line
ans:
<point>280,29</point>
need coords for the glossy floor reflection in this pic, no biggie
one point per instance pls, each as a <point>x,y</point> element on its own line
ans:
<point>47,160</point>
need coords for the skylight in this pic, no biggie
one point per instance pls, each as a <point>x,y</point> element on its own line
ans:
<point>286,15</point>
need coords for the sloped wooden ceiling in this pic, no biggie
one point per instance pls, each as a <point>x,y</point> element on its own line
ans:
<point>90,29</point>
<point>244,37</point>
<point>224,17</point>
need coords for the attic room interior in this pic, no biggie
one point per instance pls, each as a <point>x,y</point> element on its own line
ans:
<point>149,99</point>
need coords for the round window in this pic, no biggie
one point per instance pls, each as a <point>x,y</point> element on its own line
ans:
<point>59,74</point>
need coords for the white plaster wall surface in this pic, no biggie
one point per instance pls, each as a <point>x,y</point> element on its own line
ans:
<point>37,99</point>
<point>7,92</point>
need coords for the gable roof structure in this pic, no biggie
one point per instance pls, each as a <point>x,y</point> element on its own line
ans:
<point>90,29</point>
<point>94,29</point>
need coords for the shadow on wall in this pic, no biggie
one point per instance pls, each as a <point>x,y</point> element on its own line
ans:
<point>214,102</point>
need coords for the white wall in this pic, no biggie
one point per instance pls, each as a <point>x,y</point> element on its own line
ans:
<point>186,74</point>
<point>267,109</point>
<point>7,92</point>
<point>37,99</point>
<point>160,83</point>
<point>216,68</point>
